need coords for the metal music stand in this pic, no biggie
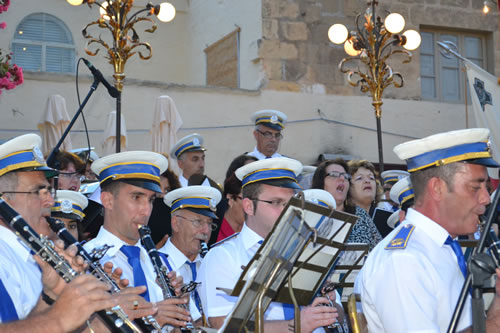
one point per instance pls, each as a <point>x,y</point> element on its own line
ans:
<point>264,276</point>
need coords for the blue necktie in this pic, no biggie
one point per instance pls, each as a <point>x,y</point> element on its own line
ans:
<point>197,300</point>
<point>133,254</point>
<point>458,252</point>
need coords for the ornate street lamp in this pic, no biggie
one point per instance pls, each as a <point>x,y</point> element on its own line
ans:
<point>124,42</point>
<point>373,43</point>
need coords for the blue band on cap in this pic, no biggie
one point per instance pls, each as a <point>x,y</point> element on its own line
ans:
<point>137,170</point>
<point>449,155</point>
<point>268,174</point>
<point>268,119</point>
<point>76,209</point>
<point>323,203</point>
<point>391,179</point>
<point>191,202</point>
<point>406,195</point>
<point>18,160</point>
<point>185,147</point>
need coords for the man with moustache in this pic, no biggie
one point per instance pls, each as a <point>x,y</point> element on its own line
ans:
<point>411,281</point>
<point>193,211</point>
<point>130,181</point>
<point>267,133</point>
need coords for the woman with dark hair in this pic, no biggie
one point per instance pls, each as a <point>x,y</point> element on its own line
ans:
<point>332,176</point>
<point>233,216</point>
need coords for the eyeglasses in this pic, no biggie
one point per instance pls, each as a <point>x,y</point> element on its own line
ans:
<point>336,174</point>
<point>198,223</point>
<point>72,176</point>
<point>41,191</point>
<point>275,202</point>
<point>361,178</point>
<point>269,135</point>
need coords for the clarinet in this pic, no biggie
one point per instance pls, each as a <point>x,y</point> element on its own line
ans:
<point>147,324</point>
<point>115,318</point>
<point>204,249</point>
<point>161,271</point>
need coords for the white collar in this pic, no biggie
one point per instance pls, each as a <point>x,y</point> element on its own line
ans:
<point>175,256</point>
<point>106,237</point>
<point>249,237</point>
<point>182,180</point>
<point>261,156</point>
<point>435,231</point>
<point>16,244</point>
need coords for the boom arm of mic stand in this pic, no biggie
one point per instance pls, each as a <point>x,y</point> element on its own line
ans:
<point>51,160</point>
<point>480,266</point>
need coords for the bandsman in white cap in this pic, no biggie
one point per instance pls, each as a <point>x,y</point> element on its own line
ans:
<point>88,156</point>
<point>267,133</point>
<point>412,279</point>
<point>130,182</point>
<point>190,155</point>
<point>193,210</point>
<point>401,192</point>
<point>24,185</point>
<point>68,207</point>
<point>390,177</point>
<point>267,186</point>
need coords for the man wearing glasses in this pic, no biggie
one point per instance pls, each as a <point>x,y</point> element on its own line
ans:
<point>193,211</point>
<point>267,187</point>
<point>267,133</point>
<point>24,186</point>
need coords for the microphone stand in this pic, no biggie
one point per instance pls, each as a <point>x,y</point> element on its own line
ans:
<point>480,268</point>
<point>51,160</point>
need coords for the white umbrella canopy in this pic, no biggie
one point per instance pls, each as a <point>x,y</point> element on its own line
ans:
<point>109,138</point>
<point>166,123</point>
<point>53,124</point>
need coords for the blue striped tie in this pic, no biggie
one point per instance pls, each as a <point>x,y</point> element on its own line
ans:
<point>133,254</point>
<point>196,297</point>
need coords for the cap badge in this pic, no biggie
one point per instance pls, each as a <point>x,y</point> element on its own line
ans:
<point>66,206</point>
<point>37,153</point>
<point>196,142</point>
<point>274,119</point>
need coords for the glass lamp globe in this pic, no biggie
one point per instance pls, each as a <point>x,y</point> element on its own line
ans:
<point>75,2</point>
<point>394,23</point>
<point>102,10</point>
<point>413,39</point>
<point>337,33</point>
<point>167,12</point>
<point>349,48</point>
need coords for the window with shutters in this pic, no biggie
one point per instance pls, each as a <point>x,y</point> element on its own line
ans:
<point>43,43</point>
<point>442,78</point>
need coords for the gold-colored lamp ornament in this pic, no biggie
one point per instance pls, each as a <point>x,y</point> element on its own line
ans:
<point>116,17</point>
<point>373,42</point>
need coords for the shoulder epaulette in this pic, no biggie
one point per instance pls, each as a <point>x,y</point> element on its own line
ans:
<point>225,239</point>
<point>400,241</point>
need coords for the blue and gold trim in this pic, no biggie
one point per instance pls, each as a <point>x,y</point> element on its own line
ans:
<point>406,195</point>
<point>391,179</point>
<point>400,241</point>
<point>268,174</point>
<point>468,151</point>
<point>188,146</point>
<point>131,170</point>
<point>20,160</point>
<point>75,209</point>
<point>270,120</point>
<point>193,202</point>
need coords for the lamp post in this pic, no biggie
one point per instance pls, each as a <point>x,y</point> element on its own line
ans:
<point>373,43</point>
<point>116,17</point>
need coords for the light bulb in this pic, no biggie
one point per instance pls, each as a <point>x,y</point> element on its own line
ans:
<point>349,48</point>
<point>413,39</point>
<point>167,12</point>
<point>394,23</point>
<point>75,2</point>
<point>102,10</point>
<point>486,8</point>
<point>337,33</point>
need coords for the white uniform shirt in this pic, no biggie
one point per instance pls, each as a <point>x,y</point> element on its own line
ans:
<point>260,156</point>
<point>19,273</point>
<point>177,261</point>
<point>184,182</point>
<point>222,268</point>
<point>414,289</point>
<point>119,259</point>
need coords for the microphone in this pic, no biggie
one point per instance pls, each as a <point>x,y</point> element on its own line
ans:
<point>113,92</point>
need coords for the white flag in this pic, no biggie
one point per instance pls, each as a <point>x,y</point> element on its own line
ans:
<point>485,95</point>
